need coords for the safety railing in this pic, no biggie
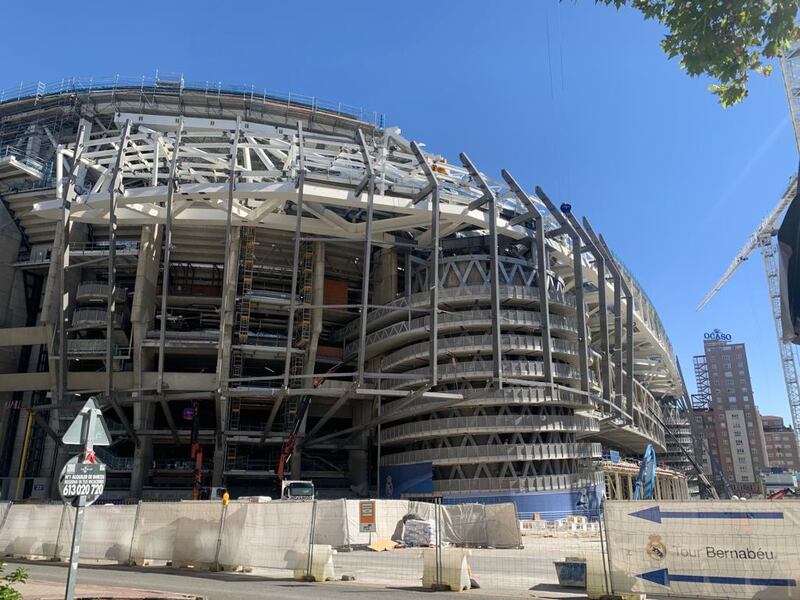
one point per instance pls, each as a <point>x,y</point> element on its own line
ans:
<point>506,452</point>
<point>78,249</point>
<point>249,463</point>
<point>489,424</point>
<point>179,86</point>
<point>90,348</point>
<point>531,483</point>
<point>22,156</point>
<point>90,317</point>
<point>91,291</point>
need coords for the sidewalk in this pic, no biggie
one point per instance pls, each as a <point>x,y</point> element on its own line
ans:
<point>51,590</point>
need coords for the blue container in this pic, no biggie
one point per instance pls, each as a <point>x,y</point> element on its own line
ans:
<point>571,572</point>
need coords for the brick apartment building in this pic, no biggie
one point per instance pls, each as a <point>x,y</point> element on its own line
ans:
<point>781,444</point>
<point>726,411</point>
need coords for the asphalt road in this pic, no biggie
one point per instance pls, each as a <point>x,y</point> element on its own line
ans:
<point>226,586</point>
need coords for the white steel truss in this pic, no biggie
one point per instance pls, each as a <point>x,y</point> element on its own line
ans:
<point>264,195</point>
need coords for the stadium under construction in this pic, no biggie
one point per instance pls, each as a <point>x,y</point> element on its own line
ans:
<point>226,269</point>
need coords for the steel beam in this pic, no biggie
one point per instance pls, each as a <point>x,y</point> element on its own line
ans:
<point>630,329</point>
<point>370,184</point>
<point>600,263</point>
<point>490,198</point>
<point>301,174</point>
<point>114,191</point>
<point>619,287</point>
<point>67,198</point>
<point>228,299</point>
<point>385,418</point>
<point>540,245</point>
<point>433,262</point>
<point>344,397</point>
<point>41,422</point>
<point>282,393</point>
<point>577,269</point>
<point>171,185</point>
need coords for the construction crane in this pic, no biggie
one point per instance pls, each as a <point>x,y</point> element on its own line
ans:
<point>763,238</point>
<point>294,434</point>
<point>726,485</point>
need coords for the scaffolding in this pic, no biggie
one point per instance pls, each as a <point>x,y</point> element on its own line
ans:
<point>702,399</point>
<point>301,336</point>
<point>468,326</point>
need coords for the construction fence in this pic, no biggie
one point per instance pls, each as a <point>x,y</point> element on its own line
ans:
<point>703,549</point>
<point>720,549</point>
<point>321,539</point>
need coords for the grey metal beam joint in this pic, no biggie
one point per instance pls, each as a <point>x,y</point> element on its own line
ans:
<point>114,189</point>
<point>620,288</point>
<point>541,265</point>
<point>366,263</point>
<point>583,345</point>
<point>490,198</point>
<point>433,260</point>
<point>593,248</point>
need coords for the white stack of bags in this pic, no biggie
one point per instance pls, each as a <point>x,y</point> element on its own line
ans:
<point>418,532</point>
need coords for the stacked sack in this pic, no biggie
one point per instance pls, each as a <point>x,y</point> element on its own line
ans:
<point>419,532</point>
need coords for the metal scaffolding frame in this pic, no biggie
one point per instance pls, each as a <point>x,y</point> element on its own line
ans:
<point>423,205</point>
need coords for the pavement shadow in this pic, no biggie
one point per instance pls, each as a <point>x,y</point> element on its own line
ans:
<point>561,591</point>
<point>200,574</point>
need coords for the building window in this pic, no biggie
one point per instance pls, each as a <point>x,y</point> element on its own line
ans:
<point>732,399</point>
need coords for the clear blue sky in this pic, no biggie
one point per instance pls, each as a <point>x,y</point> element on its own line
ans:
<point>571,96</point>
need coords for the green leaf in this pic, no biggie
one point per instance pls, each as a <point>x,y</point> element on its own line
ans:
<point>726,40</point>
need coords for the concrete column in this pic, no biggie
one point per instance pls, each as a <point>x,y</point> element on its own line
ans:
<point>54,457</point>
<point>227,314</point>
<point>12,311</point>
<point>142,319</point>
<point>385,275</point>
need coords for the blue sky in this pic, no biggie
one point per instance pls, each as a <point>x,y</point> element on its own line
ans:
<point>571,96</point>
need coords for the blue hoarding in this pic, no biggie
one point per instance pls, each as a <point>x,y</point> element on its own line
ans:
<point>413,479</point>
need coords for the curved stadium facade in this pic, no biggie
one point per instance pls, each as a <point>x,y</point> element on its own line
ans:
<point>452,334</point>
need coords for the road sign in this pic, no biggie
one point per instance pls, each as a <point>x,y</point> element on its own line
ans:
<point>366,516</point>
<point>75,432</point>
<point>81,479</point>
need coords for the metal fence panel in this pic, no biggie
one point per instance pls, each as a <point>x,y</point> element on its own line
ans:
<point>181,532</point>
<point>31,530</point>
<point>107,533</point>
<point>270,535</point>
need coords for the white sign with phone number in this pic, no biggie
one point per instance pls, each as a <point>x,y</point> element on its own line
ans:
<point>82,479</point>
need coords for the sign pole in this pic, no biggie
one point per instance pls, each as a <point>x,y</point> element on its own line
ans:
<point>74,554</point>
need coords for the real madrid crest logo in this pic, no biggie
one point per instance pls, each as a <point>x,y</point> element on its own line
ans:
<point>656,548</point>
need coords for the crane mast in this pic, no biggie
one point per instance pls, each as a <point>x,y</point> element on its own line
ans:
<point>763,238</point>
<point>769,251</point>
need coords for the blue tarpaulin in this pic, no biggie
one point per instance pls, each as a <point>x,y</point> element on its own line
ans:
<point>411,479</point>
